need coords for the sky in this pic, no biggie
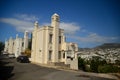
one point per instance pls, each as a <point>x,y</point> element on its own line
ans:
<point>88,23</point>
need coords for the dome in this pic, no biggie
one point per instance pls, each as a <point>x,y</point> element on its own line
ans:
<point>36,22</point>
<point>55,14</point>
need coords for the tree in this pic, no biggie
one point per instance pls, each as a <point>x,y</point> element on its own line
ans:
<point>81,63</point>
<point>108,69</point>
<point>96,62</point>
<point>1,46</point>
<point>27,52</point>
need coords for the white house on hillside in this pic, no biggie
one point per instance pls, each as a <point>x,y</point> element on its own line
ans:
<point>17,45</point>
<point>49,45</point>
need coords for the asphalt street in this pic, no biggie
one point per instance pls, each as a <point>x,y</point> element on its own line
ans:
<point>10,69</point>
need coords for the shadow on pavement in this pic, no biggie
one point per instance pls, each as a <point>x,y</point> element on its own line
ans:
<point>5,70</point>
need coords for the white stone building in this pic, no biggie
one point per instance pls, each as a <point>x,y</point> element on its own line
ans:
<point>17,45</point>
<point>49,45</point>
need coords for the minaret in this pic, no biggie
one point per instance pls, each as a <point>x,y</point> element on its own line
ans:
<point>36,25</point>
<point>55,25</point>
<point>11,38</point>
<point>16,36</point>
<point>34,37</point>
<point>25,40</point>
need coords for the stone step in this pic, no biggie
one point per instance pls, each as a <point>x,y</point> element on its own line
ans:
<point>60,64</point>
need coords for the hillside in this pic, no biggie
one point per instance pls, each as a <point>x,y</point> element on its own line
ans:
<point>109,45</point>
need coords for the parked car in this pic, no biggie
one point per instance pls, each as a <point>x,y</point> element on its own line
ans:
<point>23,59</point>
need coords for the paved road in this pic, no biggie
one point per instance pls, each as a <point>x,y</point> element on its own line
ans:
<point>28,71</point>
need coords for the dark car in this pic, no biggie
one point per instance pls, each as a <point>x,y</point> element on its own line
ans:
<point>23,59</point>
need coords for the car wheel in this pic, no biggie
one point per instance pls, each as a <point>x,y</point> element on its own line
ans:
<point>20,61</point>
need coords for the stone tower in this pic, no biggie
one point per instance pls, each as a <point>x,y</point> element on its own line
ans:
<point>34,38</point>
<point>25,40</point>
<point>16,36</point>
<point>36,25</point>
<point>55,25</point>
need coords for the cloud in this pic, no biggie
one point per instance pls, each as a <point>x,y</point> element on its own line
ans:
<point>95,38</point>
<point>21,22</point>
<point>20,25</point>
<point>26,17</point>
<point>24,22</point>
<point>69,28</point>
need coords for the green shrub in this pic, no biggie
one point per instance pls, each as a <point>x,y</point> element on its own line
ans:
<point>81,63</point>
<point>94,65</point>
<point>108,69</point>
<point>87,68</point>
<point>96,62</point>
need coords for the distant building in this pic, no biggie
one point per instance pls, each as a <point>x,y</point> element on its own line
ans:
<point>109,53</point>
<point>17,45</point>
<point>49,45</point>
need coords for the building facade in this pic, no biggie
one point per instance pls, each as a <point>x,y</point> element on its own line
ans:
<point>17,45</point>
<point>49,45</point>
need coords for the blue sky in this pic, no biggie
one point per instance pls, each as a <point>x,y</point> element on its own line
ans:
<point>86,22</point>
